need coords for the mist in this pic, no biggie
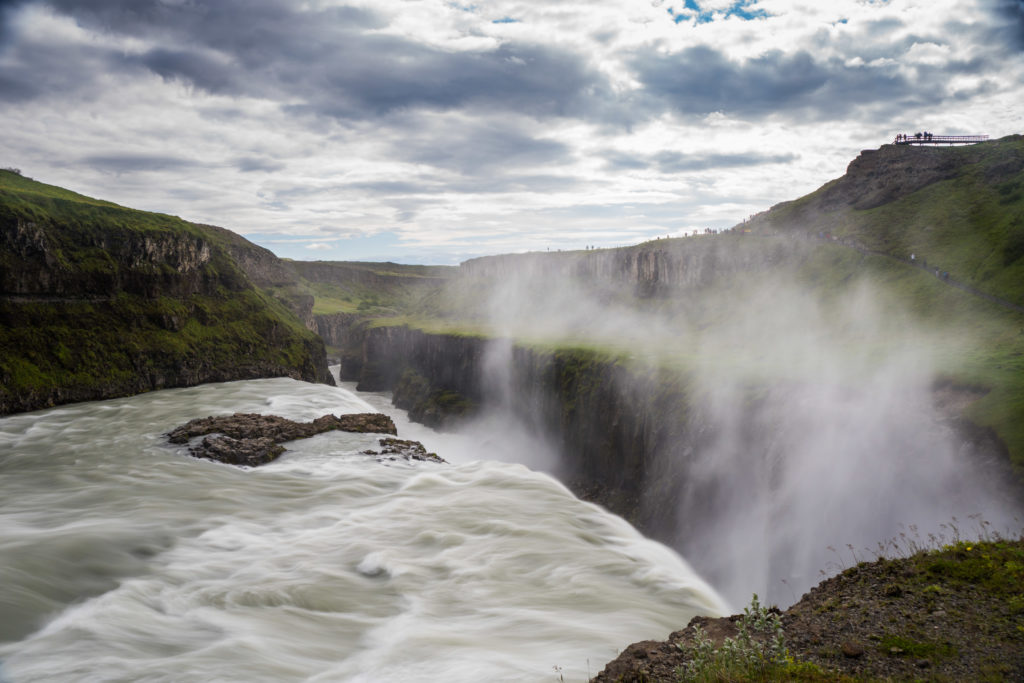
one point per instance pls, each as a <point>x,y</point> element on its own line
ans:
<point>823,441</point>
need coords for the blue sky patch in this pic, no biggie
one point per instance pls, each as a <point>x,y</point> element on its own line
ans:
<point>692,10</point>
<point>505,20</point>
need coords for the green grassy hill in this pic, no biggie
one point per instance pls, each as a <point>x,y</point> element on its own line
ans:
<point>943,230</point>
<point>98,300</point>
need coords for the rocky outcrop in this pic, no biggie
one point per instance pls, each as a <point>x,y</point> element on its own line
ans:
<point>251,439</point>
<point>402,449</point>
<point>242,452</point>
<point>947,614</point>
<point>260,265</point>
<point>279,429</point>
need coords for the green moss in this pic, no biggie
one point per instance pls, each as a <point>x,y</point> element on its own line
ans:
<point>901,646</point>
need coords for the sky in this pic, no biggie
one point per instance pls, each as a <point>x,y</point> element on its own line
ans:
<point>429,131</point>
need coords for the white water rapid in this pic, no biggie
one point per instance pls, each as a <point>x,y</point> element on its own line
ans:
<point>124,559</point>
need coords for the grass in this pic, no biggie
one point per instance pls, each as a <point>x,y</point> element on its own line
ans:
<point>112,301</point>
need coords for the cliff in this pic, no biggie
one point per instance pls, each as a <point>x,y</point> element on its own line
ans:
<point>99,301</point>
<point>654,268</point>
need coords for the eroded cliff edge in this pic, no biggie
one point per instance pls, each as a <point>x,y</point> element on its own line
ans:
<point>99,301</point>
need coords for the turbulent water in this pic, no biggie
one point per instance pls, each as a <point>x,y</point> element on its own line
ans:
<point>122,558</point>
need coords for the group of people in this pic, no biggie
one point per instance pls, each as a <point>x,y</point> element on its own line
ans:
<point>903,137</point>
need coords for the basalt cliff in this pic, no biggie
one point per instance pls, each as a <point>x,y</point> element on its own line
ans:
<point>99,301</point>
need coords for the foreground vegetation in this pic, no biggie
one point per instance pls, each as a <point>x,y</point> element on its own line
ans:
<point>949,614</point>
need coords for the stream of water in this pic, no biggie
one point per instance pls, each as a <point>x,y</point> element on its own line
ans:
<point>124,559</point>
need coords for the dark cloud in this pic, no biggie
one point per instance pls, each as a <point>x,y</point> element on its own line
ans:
<point>620,161</point>
<point>32,70</point>
<point>538,183</point>
<point>251,164</point>
<point>189,67</point>
<point>14,87</point>
<point>390,188</point>
<point>136,163</point>
<point>7,8</point>
<point>1012,31</point>
<point>425,188</point>
<point>332,63</point>
<point>700,80</point>
<point>378,75</point>
<point>480,146</point>
<point>678,162</point>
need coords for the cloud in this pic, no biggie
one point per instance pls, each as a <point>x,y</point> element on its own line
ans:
<point>335,62</point>
<point>254,164</point>
<point>679,162</point>
<point>137,163</point>
<point>190,67</point>
<point>1011,15</point>
<point>320,246</point>
<point>701,80</point>
<point>476,146</point>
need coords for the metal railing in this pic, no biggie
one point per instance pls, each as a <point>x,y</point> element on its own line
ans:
<point>929,139</point>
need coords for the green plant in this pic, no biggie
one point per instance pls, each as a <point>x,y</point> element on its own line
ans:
<point>757,652</point>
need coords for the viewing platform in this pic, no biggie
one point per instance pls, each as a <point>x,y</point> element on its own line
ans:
<point>929,139</point>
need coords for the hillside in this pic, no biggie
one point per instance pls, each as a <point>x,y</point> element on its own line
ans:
<point>98,301</point>
<point>958,209</point>
<point>954,613</point>
<point>938,222</point>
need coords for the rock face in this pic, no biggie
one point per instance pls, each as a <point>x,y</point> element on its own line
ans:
<point>650,269</point>
<point>252,439</point>
<point>344,332</point>
<point>99,301</point>
<point>622,436</point>
<point>437,378</point>
<point>243,452</point>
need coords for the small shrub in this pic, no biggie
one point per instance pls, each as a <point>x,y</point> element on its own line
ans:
<point>757,651</point>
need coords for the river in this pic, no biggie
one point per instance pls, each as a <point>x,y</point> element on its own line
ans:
<point>124,559</point>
